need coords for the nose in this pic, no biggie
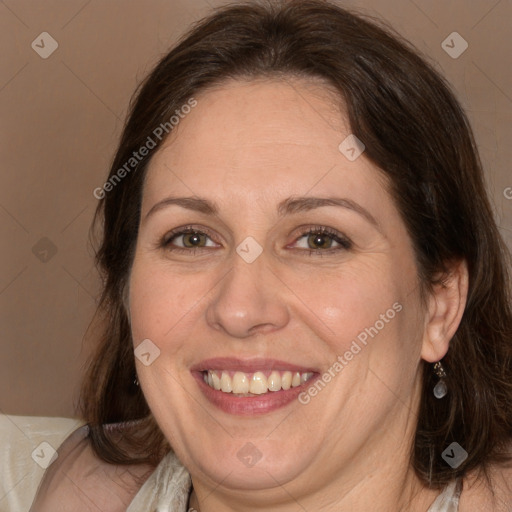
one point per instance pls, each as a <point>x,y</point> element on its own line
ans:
<point>248,301</point>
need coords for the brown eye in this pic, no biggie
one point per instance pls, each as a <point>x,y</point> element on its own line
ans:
<point>194,239</point>
<point>187,239</point>
<point>321,240</point>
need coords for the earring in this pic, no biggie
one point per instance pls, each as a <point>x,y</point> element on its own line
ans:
<point>440,389</point>
<point>136,381</point>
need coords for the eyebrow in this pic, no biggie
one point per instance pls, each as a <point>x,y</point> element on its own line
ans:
<point>288,206</point>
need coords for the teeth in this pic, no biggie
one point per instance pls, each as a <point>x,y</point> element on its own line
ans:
<point>257,383</point>
<point>286,380</point>
<point>240,383</point>
<point>216,381</point>
<point>225,383</point>
<point>274,381</point>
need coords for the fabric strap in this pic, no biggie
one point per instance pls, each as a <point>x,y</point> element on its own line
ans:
<point>448,500</point>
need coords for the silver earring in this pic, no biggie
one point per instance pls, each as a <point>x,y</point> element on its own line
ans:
<point>136,381</point>
<point>440,389</point>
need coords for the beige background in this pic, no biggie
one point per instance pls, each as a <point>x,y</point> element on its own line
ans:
<point>60,119</point>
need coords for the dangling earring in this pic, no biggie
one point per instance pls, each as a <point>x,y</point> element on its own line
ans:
<point>440,389</point>
<point>136,381</point>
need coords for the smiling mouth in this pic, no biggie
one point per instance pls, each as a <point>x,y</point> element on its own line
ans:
<point>243,384</point>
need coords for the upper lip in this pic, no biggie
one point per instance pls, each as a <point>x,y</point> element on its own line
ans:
<point>249,365</point>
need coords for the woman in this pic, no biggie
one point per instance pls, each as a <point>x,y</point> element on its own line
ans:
<point>307,300</point>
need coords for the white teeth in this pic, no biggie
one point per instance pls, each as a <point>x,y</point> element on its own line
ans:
<point>240,383</point>
<point>225,383</point>
<point>216,381</point>
<point>257,383</point>
<point>274,381</point>
<point>286,380</point>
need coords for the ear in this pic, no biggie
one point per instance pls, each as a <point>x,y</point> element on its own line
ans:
<point>446,304</point>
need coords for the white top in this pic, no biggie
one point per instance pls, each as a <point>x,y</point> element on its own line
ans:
<point>448,500</point>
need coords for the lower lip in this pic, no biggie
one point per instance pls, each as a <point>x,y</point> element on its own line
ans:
<point>250,405</point>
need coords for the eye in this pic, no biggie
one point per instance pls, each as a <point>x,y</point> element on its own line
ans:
<point>186,239</point>
<point>320,239</point>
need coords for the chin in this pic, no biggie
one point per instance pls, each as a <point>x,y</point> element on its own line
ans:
<point>252,464</point>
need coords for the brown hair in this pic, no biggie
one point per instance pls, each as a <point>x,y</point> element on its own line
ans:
<point>414,131</point>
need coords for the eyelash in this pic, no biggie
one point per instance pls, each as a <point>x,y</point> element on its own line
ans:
<point>344,242</point>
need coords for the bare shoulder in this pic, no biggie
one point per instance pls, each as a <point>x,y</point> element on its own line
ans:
<point>478,496</point>
<point>79,481</point>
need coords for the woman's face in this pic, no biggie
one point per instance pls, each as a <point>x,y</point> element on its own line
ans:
<point>253,298</point>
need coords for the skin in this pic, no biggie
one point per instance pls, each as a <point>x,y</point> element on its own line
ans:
<point>247,146</point>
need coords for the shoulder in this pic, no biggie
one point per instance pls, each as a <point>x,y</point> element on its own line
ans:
<point>479,495</point>
<point>79,481</point>
<point>27,443</point>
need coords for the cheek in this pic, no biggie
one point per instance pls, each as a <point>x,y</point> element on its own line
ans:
<point>348,303</point>
<point>159,301</point>
<point>368,321</point>
<point>372,352</point>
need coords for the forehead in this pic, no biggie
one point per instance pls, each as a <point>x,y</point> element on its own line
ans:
<point>262,140</point>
